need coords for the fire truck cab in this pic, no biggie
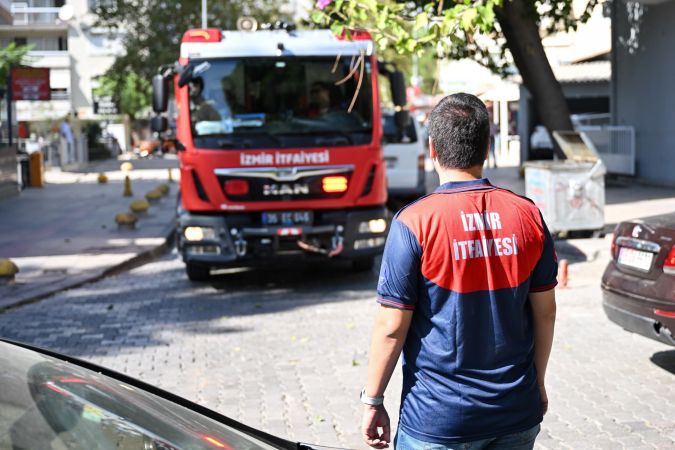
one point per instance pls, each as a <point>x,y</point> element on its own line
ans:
<point>279,135</point>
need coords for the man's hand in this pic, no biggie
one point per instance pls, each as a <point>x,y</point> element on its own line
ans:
<point>375,417</point>
<point>544,399</point>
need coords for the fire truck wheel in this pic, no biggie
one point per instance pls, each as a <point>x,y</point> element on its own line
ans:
<point>197,273</point>
<point>363,264</point>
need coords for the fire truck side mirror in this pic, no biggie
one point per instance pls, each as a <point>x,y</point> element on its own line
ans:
<point>159,124</point>
<point>398,89</point>
<point>160,93</point>
<point>402,119</point>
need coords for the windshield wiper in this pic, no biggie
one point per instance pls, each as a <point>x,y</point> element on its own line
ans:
<point>319,133</point>
<point>271,136</point>
<point>240,139</point>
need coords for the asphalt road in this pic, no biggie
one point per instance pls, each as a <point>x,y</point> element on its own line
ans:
<point>285,350</point>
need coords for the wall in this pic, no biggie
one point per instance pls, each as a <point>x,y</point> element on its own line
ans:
<point>642,92</point>
<point>92,52</point>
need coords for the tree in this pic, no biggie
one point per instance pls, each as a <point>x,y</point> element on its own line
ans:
<point>151,32</point>
<point>495,33</point>
<point>131,92</point>
<point>12,55</point>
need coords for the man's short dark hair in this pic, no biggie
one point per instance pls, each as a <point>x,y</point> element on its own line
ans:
<point>459,127</point>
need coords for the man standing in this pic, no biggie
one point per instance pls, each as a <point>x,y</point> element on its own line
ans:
<point>68,141</point>
<point>466,291</point>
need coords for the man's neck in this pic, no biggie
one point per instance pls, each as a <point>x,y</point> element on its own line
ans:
<point>449,175</point>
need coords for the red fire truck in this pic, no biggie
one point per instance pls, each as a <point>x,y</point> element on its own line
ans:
<point>279,135</point>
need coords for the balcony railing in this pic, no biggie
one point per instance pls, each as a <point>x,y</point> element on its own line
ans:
<point>24,14</point>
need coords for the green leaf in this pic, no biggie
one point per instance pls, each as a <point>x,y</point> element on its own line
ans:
<point>421,21</point>
<point>337,28</point>
<point>468,18</point>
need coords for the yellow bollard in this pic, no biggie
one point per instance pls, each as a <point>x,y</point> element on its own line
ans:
<point>127,187</point>
<point>170,176</point>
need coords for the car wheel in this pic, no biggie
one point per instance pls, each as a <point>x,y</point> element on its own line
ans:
<point>363,264</point>
<point>197,273</point>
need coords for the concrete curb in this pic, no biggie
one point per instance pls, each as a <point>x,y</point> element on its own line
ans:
<point>78,280</point>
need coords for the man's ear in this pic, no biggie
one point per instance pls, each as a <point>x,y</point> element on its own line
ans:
<point>432,150</point>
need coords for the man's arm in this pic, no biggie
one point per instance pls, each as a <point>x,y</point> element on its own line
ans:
<point>543,314</point>
<point>389,334</point>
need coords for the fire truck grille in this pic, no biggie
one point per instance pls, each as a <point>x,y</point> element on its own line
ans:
<point>253,186</point>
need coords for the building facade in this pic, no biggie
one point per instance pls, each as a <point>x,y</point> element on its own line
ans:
<point>643,70</point>
<point>64,38</point>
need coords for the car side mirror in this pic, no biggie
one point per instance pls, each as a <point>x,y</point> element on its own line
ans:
<point>160,93</point>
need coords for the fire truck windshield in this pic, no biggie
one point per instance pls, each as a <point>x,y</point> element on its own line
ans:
<point>280,102</point>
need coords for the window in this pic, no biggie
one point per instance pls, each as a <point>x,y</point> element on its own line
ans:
<point>95,5</point>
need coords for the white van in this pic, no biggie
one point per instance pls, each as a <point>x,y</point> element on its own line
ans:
<point>404,154</point>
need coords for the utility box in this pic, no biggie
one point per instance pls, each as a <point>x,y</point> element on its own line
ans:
<point>569,193</point>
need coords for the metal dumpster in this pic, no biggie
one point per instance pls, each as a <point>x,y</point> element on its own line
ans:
<point>570,193</point>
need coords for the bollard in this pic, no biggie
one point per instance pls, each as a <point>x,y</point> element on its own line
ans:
<point>102,178</point>
<point>127,187</point>
<point>126,221</point>
<point>7,271</point>
<point>170,176</point>
<point>562,274</point>
<point>153,196</point>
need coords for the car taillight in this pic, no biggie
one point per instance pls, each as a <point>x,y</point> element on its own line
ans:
<point>236,187</point>
<point>420,162</point>
<point>615,248</point>
<point>334,184</point>
<point>669,263</point>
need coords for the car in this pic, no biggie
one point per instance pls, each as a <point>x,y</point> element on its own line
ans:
<point>638,285</point>
<point>404,155</point>
<point>52,401</point>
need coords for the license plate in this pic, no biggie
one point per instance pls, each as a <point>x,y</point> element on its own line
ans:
<point>287,218</point>
<point>635,258</point>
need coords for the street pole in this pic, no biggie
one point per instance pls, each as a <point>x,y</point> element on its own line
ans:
<point>9,106</point>
<point>204,24</point>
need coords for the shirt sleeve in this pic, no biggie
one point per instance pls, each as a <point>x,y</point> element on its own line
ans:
<point>397,286</point>
<point>545,272</point>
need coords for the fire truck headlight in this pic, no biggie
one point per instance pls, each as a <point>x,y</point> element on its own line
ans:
<point>200,233</point>
<point>373,226</point>
<point>361,244</point>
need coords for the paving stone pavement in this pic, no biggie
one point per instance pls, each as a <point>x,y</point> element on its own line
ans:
<point>286,351</point>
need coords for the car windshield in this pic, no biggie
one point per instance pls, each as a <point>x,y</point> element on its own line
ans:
<point>46,403</point>
<point>280,102</point>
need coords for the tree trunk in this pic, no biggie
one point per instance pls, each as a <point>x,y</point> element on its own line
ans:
<point>524,42</point>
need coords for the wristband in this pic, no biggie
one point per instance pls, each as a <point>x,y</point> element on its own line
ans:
<point>372,401</point>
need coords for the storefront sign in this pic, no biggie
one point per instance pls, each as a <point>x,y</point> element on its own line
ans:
<point>105,105</point>
<point>30,83</point>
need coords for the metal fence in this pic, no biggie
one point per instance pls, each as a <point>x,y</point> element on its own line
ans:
<point>616,146</point>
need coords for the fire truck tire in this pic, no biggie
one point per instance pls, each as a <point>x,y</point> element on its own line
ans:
<point>363,264</point>
<point>197,273</point>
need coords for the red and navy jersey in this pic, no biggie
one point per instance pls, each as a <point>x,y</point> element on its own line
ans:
<point>464,259</point>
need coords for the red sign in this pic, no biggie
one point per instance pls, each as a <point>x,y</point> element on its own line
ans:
<point>30,83</point>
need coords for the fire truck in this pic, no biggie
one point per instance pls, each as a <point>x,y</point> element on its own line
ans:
<point>279,137</point>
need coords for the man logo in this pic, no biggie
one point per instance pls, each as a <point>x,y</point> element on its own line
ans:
<point>285,189</point>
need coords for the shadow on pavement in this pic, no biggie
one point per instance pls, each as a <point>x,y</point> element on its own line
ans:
<point>137,309</point>
<point>625,191</point>
<point>665,360</point>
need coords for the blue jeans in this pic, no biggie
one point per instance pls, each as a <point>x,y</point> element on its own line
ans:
<point>523,440</point>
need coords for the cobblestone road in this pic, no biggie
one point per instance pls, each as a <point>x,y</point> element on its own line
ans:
<point>285,351</point>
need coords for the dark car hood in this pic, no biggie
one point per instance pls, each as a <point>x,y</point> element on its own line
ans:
<point>45,395</point>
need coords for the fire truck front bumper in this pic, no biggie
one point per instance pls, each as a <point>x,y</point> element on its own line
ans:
<point>240,239</point>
